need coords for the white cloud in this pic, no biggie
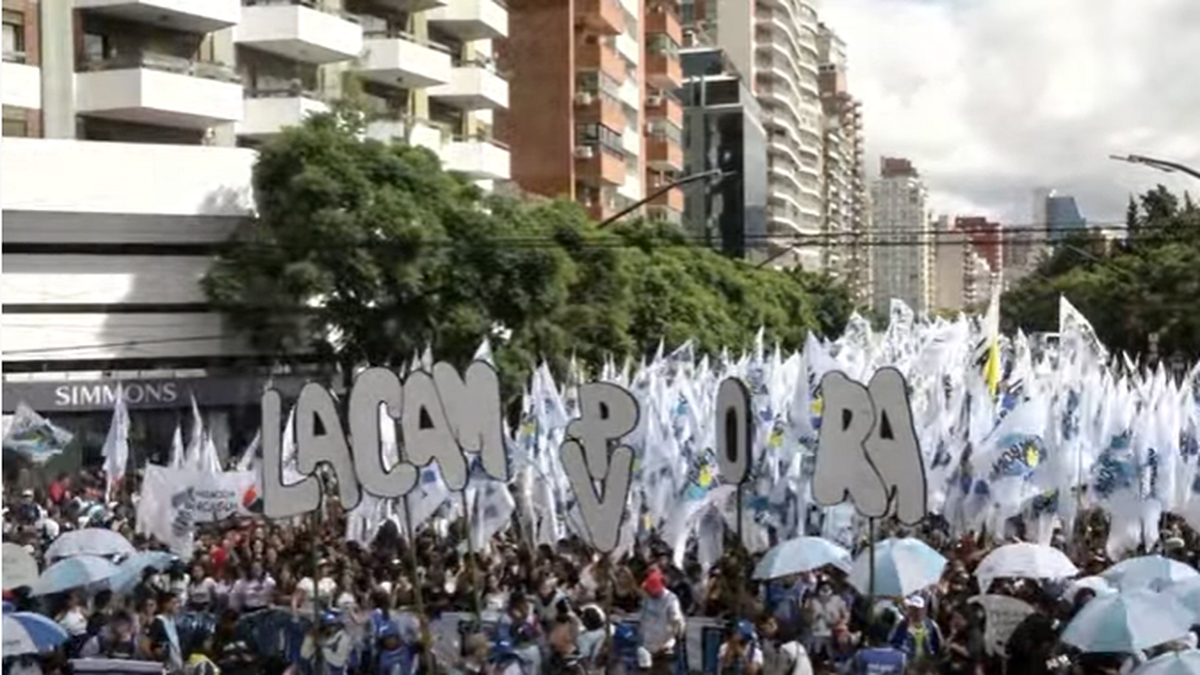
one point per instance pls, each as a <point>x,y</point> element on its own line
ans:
<point>993,98</point>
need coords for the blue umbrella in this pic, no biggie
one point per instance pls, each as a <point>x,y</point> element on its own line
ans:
<point>130,571</point>
<point>72,573</point>
<point>801,554</point>
<point>1128,622</point>
<point>1187,593</point>
<point>89,541</point>
<point>902,567</point>
<point>1149,571</point>
<point>1185,662</point>
<point>29,633</point>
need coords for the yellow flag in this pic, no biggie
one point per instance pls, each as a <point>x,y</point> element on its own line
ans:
<point>991,369</point>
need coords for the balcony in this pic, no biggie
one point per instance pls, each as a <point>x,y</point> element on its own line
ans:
<point>403,60</point>
<point>20,84</point>
<point>470,20</point>
<point>269,112</point>
<point>663,71</point>
<point>477,158</point>
<point>473,86</point>
<point>160,90</point>
<point>662,20</point>
<point>296,31</point>
<point>671,199</point>
<point>598,164</point>
<point>664,153</point>
<point>664,107</point>
<point>599,108</point>
<point>600,16</point>
<point>410,130</point>
<point>189,16</point>
<point>600,56</point>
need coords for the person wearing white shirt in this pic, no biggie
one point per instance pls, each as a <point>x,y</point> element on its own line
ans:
<point>662,623</point>
<point>258,590</point>
<point>740,653</point>
<point>201,592</point>
<point>73,619</point>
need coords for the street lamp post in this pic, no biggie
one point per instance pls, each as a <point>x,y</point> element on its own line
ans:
<point>716,174</point>
<point>1160,164</point>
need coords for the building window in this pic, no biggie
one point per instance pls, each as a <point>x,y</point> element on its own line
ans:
<point>661,43</point>
<point>16,124</point>
<point>14,36</point>
<point>598,134</point>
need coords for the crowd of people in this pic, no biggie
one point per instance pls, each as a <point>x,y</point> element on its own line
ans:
<point>269,597</point>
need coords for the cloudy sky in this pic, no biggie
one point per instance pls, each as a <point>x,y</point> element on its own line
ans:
<point>993,98</point>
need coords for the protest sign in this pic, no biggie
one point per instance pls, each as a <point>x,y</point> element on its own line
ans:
<point>18,567</point>
<point>442,415</point>
<point>1004,614</point>
<point>867,448</point>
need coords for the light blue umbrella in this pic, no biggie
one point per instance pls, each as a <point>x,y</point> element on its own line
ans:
<point>130,571</point>
<point>1149,571</point>
<point>1186,662</point>
<point>801,554</point>
<point>89,541</point>
<point>72,573</point>
<point>902,567</point>
<point>29,633</point>
<point>1187,593</point>
<point>1127,622</point>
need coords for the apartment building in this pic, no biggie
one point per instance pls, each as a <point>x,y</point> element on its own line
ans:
<point>847,219</point>
<point>130,128</point>
<point>594,113</point>
<point>963,275</point>
<point>774,43</point>
<point>902,241</point>
<point>723,132</point>
<point>235,72</point>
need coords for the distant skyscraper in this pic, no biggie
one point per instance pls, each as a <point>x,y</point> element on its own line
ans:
<point>903,251</point>
<point>1063,217</point>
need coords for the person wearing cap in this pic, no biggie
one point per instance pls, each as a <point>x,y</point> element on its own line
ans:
<point>916,634</point>
<point>662,623</point>
<point>740,653</point>
<point>337,647</point>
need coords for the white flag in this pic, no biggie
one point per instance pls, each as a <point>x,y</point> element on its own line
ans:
<point>116,444</point>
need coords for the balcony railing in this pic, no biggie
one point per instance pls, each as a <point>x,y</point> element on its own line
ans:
<point>14,57</point>
<point>283,92</point>
<point>489,65</point>
<point>402,35</point>
<point>310,4</point>
<point>208,70</point>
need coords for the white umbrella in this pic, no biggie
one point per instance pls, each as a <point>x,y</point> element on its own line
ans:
<point>89,541</point>
<point>1024,561</point>
<point>1149,571</point>
<point>72,573</point>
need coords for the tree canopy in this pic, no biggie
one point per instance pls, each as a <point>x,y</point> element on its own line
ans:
<point>368,252</point>
<point>1149,283</point>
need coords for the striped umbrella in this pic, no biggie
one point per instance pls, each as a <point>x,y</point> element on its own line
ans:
<point>29,633</point>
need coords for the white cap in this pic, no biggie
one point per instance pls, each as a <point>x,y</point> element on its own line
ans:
<point>915,601</point>
<point>644,660</point>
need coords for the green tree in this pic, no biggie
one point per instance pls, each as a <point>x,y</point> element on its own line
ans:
<point>369,252</point>
<point>1127,293</point>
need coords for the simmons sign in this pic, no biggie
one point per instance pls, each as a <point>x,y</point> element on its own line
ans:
<point>140,394</point>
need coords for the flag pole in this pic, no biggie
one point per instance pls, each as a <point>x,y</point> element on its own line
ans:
<point>418,595</point>
<point>471,563</point>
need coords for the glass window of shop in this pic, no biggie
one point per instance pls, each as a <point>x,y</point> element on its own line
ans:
<point>232,429</point>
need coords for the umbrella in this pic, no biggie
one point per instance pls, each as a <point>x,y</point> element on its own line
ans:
<point>902,567</point>
<point>1186,662</point>
<point>1148,571</point>
<point>30,633</point>
<point>801,555</point>
<point>130,571</point>
<point>19,568</point>
<point>77,572</point>
<point>1127,622</point>
<point>1097,585</point>
<point>1187,593</point>
<point>89,541</point>
<point>1024,561</point>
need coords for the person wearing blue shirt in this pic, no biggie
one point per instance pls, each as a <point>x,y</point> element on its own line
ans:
<point>878,658</point>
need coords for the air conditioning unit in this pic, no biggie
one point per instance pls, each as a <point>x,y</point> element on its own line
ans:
<point>585,152</point>
<point>584,98</point>
<point>654,101</point>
